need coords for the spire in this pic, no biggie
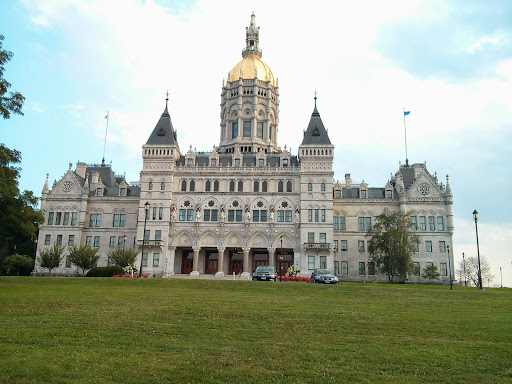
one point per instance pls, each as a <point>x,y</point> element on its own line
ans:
<point>316,132</point>
<point>448,188</point>
<point>163,133</point>
<point>252,39</point>
<point>45,188</point>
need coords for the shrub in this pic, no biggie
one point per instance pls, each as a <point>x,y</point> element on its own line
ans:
<point>104,272</point>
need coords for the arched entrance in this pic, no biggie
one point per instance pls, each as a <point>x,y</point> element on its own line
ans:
<point>236,261</point>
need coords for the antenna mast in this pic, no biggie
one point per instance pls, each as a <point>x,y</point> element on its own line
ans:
<point>105,143</point>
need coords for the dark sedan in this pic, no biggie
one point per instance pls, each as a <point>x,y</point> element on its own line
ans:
<point>264,273</point>
<point>324,276</point>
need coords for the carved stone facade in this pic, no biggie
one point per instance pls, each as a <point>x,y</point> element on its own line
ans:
<point>245,203</point>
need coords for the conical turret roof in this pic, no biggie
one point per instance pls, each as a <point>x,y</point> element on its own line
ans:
<point>163,134</point>
<point>316,132</point>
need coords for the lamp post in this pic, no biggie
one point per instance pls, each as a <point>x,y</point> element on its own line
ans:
<point>281,261</point>
<point>146,210</point>
<point>124,242</point>
<point>449,267</point>
<point>464,264</point>
<point>501,279</point>
<point>475,217</point>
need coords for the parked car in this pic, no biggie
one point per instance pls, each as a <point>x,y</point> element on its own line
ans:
<point>324,276</point>
<point>265,272</point>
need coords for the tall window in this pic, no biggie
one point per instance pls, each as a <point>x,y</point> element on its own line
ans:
<point>360,245</point>
<point>247,128</point>
<point>160,213</point>
<point>58,218</point>
<point>442,247</point>
<point>336,268</point>
<point>50,218</point>
<point>311,262</point>
<point>211,214</point>
<point>335,246</point>
<point>270,132</point>
<point>444,270</point>
<point>216,186</point>
<point>71,240</point>
<point>147,233</point>
<point>112,242</point>
<point>96,241</point>
<point>145,259</point>
<point>232,186</point>
<point>234,130</point>
<point>368,223</point>
<point>47,239</point>
<point>428,246</point>
<point>259,130</point>
<point>122,219</point>
<point>66,218</point>
<point>311,237</point>
<point>156,259</point>
<point>88,241</point>
<point>280,186</point>
<point>362,268</point>
<point>342,223</point>
<point>235,215</point>
<point>150,187</point>
<point>59,240</point>
<point>310,215</point>
<point>208,186</point>
<point>74,218</point>
<point>240,186</point>
<point>192,185</point>
<point>344,267</point>
<point>183,185</point>
<point>259,216</point>
<point>343,245</point>
<point>323,238</point>
<point>423,224</point>
<point>414,223</point>
<point>431,223</point>
<point>310,187</point>
<point>264,186</point>
<point>317,213</point>
<point>158,234</point>
<point>323,215</point>
<point>256,186</point>
<point>154,213</point>
<point>322,187</point>
<point>115,221</point>
<point>361,223</point>
<point>440,223</point>
<point>288,186</point>
<point>371,269</point>
<point>323,261</point>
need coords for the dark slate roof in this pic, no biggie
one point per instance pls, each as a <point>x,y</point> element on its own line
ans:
<point>163,134</point>
<point>373,193</point>
<point>408,175</point>
<point>110,181</point>
<point>107,176</point>
<point>316,132</point>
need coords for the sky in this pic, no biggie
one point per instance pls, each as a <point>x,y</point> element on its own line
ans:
<point>448,62</point>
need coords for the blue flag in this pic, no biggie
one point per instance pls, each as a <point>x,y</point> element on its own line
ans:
<point>406,113</point>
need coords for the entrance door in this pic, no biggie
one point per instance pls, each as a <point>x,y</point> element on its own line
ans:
<point>187,261</point>
<point>259,259</point>
<point>285,263</point>
<point>212,263</point>
<point>236,262</point>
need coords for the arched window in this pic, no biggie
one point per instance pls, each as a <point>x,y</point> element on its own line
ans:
<point>216,186</point>
<point>256,186</point>
<point>264,186</point>
<point>192,186</point>
<point>162,186</point>
<point>288,186</point>
<point>208,186</point>
<point>322,187</point>
<point>310,187</point>
<point>232,186</point>
<point>240,186</point>
<point>183,185</point>
<point>150,186</point>
<point>280,186</point>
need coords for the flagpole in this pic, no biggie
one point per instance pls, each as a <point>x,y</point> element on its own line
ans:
<point>405,134</point>
<point>105,143</point>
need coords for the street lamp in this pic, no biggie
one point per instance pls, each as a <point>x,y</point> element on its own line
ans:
<point>124,242</point>
<point>475,217</point>
<point>146,210</point>
<point>449,267</point>
<point>464,264</point>
<point>281,261</point>
<point>501,279</point>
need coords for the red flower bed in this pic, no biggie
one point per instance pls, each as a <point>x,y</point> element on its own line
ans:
<point>130,276</point>
<point>295,278</point>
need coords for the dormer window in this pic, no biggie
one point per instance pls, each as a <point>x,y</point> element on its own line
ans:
<point>285,162</point>
<point>337,193</point>
<point>237,162</point>
<point>261,162</point>
<point>99,191</point>
<point>363,193</point>
<point>190,162</point>
<point>122,192</point>
<point>389,194</point>
<point>214,162</point>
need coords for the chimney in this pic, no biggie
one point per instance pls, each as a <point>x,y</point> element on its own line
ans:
<point>347,180</point>
<point>81,169</point>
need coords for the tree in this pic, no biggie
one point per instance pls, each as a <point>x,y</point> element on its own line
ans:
<point>430,272</point>
<point>83,257</point>
<point>122,257</point>
<point>472,270</point>
<point>392,244</point>
<point>18,264</point>
<point>51,258</point>
<point>12,102</point>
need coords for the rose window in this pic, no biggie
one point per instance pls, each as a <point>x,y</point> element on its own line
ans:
<point>424,188</point>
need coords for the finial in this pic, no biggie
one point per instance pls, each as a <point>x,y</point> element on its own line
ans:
<point>315,110</point>
<point>70,165</point>
<point>47,175</point>
<point>447,178</point>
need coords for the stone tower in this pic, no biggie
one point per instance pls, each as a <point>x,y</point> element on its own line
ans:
<point>250,102</point>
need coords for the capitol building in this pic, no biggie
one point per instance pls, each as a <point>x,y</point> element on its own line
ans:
<point>247,202</point>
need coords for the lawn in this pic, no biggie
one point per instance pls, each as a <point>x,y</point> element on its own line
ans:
<point>104,330</point>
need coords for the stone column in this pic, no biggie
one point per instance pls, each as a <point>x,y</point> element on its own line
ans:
<point>220,269</point>
<point>271,256</point>
<point>169,270</point>
<point>246,275</point>
<point>195,272</point>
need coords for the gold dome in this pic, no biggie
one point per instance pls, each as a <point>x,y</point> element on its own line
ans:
<point>250,66</point>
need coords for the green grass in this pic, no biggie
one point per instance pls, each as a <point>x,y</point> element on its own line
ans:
<point>102,330</point>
